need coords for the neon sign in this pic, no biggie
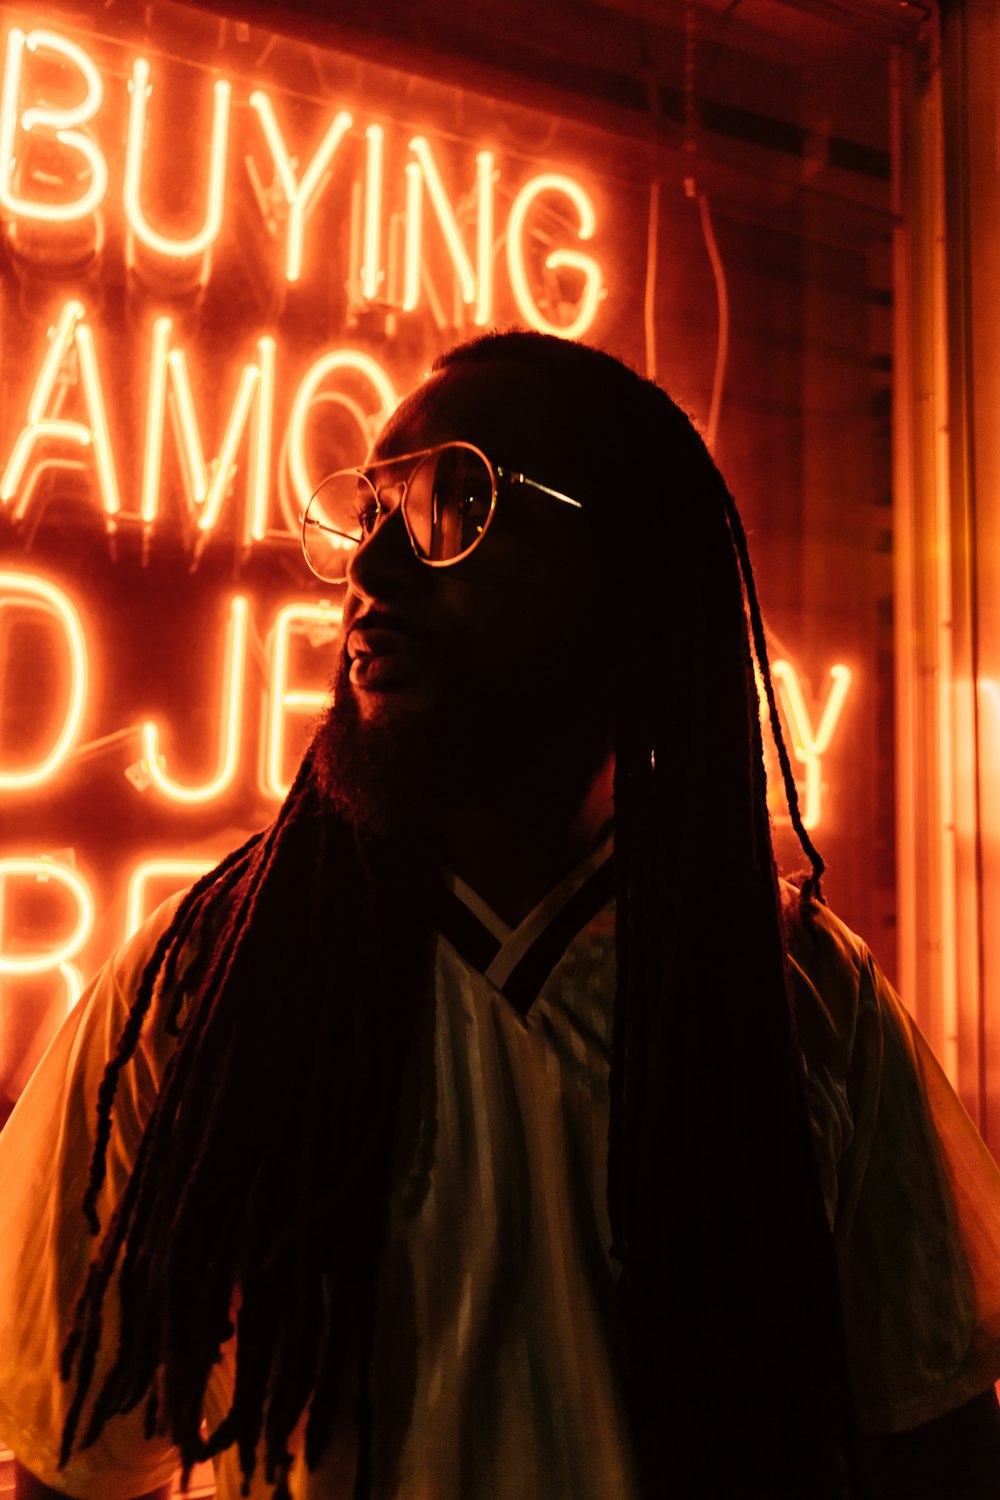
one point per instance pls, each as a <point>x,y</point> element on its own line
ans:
<point>25,589</point>
<point>137,419</point>
<point>322,621</point>
<point>232,702</point>
<point>70,336</point>
<point>56,959</point>
<point>318,624</point>
<point>19,118</point>
<point>177,431</point>
<point>61,124</point>
<point>71,360</point>
<point>809,745</point>
<point>170,873</point>
<point>299,195</point>
<point>206,485</point>
<point>70,372</point>
<point>195,244</point>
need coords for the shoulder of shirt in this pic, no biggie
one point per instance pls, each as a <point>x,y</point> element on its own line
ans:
<point>832,975</point>
<point>128,964</point>
<point>131,958</point>
<point>817,936</point>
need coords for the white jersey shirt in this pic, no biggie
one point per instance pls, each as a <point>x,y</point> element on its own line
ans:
<point>499,1237</point>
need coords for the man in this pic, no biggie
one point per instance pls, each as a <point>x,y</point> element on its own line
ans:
<point>438,1155</point>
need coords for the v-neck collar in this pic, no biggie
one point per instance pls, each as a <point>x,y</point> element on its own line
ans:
<point>518,960</point>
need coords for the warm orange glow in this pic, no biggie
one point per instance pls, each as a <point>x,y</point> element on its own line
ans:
<point>57,959</point>
<point>179,872</point>
<point>232,713</point>
<point>70,335</point>
<point>189,433</point>
<point>810,745</point>
<point>295,194</point>
<point>303,618</point>
<point>554,182</point>
<point>196,244</point>
<point>94,396</point>
<point>339,359</point>
<point>35,592</point>
<point>370,274</point>
<point>29,436</point>
<point>153,458</point>
<point>414,234</point>
<point>300,196</point>
<point>206,486</point>
<point>255,381</point>
<point>484,237</point>
<point>61,123</point>
<point>255,524</point>
<point>445,216</point>
<point>476,286</point>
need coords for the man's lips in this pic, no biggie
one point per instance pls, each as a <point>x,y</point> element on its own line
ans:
<point>385,649</point>
<point>380,634</point>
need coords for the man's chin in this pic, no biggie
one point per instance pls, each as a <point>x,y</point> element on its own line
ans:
<point>403,763</point>
<point>389,706</point>
<point>378,760</point>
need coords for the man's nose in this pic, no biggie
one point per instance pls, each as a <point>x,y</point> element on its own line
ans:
<point>385,564</point>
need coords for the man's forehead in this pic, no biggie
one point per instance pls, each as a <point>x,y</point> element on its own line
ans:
<point>488,405</point>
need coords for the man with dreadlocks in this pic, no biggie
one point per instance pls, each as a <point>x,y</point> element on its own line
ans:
<point>425,1151</point>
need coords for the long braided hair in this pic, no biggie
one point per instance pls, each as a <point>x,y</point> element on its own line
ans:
<point>276,1191</point>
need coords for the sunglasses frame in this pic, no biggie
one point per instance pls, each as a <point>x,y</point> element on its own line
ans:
<point>364,471</point>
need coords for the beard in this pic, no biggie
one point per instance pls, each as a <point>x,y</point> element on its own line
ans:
<point>396,775</point>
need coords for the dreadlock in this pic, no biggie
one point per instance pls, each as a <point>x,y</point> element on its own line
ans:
<point>272,969</point>
<point>727,1268</point>
<point>281,926</point>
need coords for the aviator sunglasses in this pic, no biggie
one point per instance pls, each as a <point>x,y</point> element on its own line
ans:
<point>448,496</point>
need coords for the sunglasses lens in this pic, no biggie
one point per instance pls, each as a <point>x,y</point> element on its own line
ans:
<point>341,513</point>
<point>448,503</point>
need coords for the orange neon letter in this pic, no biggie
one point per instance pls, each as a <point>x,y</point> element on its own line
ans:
<point>321,624</point>
<point>232,712</point>
<point>553,182</point>
<point>348,360</point>
<point>206,485</point>
<point>57,959</point>
<point>371,275</point>
<point>476,288</point>
<point>196,244</point>
<point>810,745</point>
<point>175,873</point>
<point>36,593</point>
<point>69,336</point>
<point>59,124</point>
<point>299,196</point>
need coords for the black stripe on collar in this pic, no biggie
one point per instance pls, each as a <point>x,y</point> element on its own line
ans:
<point>526,980</point>
<point>474,941</point>
<point>467,934</point>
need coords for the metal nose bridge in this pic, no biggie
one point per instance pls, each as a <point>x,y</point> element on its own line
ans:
<point>398,490</point>
<point>388,499</point>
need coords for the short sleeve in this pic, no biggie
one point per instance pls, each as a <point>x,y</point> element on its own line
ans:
<point>912,1192</point>
<point>45,1245</point>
